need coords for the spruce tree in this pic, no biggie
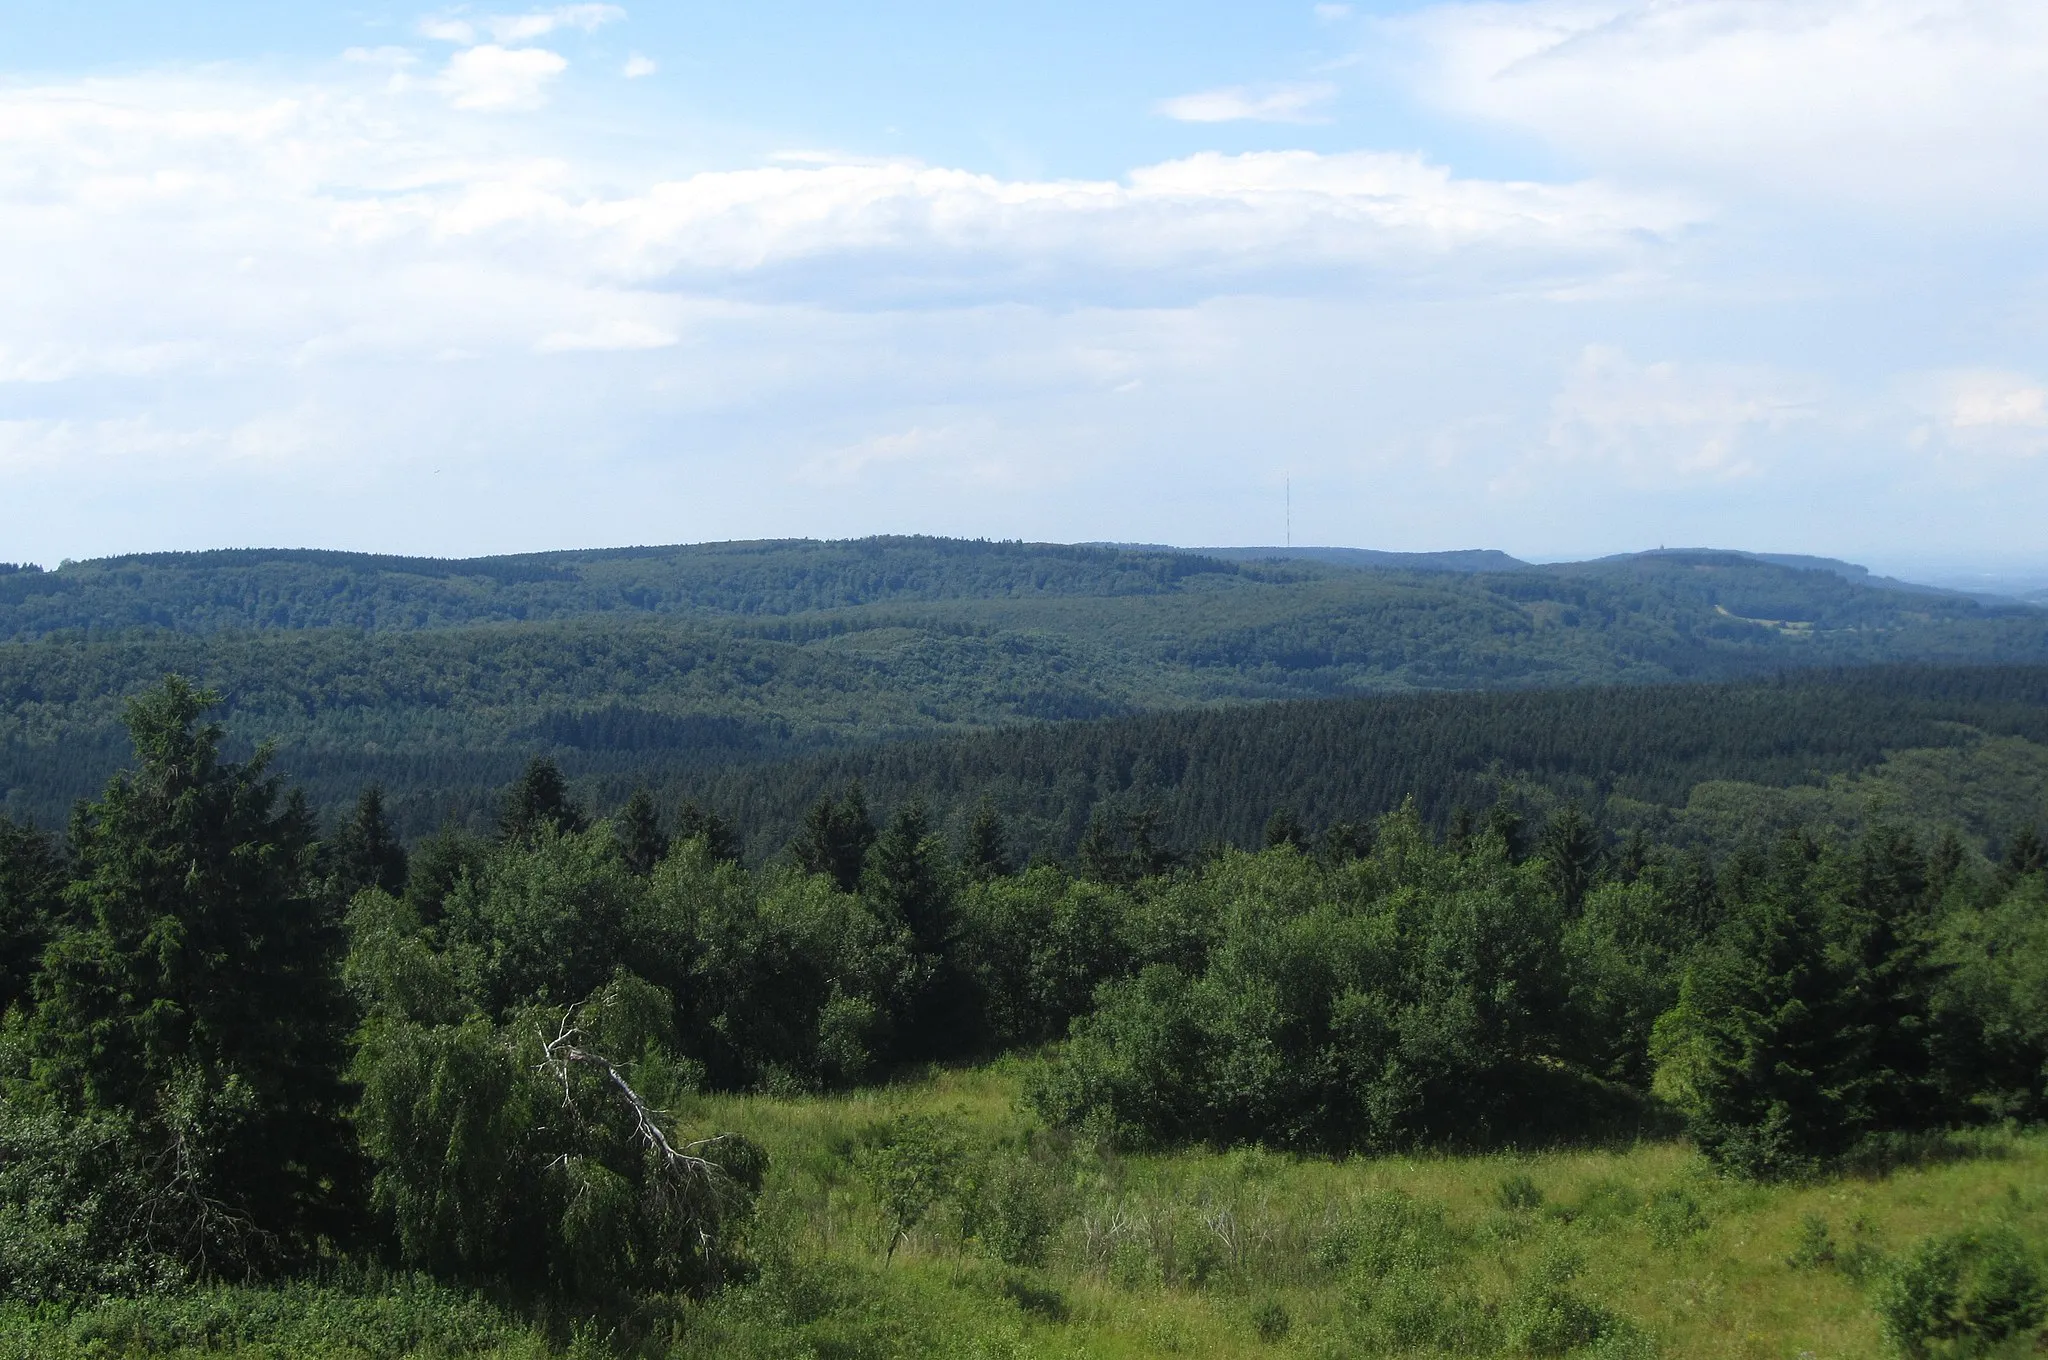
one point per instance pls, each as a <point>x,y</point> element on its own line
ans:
<point>540,798</point>
<point>696,822</point>
<point>196,1004</point>
<point>1570,851</point>
<point>986,852</point>
<point>1284,828</point>
<point>835,838</point>
<point>1760,1053</point>
<point>905,873</point>
<point>1889,943</point>
<point>31,881</point>
<point>364,852</point>
<point>638,832</point>
<point>2027,853</point>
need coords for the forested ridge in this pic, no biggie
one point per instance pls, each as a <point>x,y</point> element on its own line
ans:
<point>496,1085</point>
<point>1214,776</point>
<point>441,678</point>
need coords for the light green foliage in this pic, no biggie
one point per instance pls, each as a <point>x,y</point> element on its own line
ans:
<point>911,1164</point>
<point>532,1153</point>
<point>1416,996</point>
<point>1995,1001</point>
<point>1961,1293</point>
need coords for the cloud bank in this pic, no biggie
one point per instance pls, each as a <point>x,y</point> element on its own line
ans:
<point>1739,292</point>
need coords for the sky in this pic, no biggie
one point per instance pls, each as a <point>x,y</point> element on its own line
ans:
<point>1561,277</point>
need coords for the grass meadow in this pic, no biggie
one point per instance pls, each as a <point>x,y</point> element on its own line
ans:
<point>936,1217</point>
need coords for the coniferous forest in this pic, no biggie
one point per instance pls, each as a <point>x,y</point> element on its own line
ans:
<point>1524,1060</point>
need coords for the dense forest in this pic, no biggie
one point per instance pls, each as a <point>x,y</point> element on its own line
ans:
<point>439,679</point>
<point>241,1047</point>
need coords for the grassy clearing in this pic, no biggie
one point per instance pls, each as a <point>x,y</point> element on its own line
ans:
<point>1635,1252</point>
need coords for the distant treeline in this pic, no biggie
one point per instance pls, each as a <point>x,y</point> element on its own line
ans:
<point>1214,777</point>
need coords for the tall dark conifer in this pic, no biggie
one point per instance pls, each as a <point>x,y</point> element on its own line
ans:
<point>906,873</point>
<point>198,1001</point>
<point>539,799</point>
<point>986,853</point>
<point>1570,851</point>
<point>642,843</point>
<point>31,881</point>
<point>696,822</point>
<point>1284,828</point>
<point>835,838</point>
<point>364,852</point>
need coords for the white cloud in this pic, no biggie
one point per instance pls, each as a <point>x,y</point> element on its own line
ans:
<point>493,78</point>
<point>1670,423</point>
<point>1277,104</point>
<point>238,307</point>
<point>520,28</point>
<point>508,28</point>
<point>1331,14</point>
<point>616,333</point>
<point>1984,417</point>
<point>637,66</point>
<point>1990,400</point>
<point>968,451</point>
<point>448,30</point>
<point>151,228</point>
<point>1936,105</point>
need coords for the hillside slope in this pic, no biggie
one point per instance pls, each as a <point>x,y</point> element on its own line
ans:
<point>442,677</point>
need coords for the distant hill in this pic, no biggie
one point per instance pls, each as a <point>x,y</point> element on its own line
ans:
<point>438,676</point>
<point>1466,560</point>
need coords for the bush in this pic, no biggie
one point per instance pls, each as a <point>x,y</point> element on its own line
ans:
<point>1960,1294</point>
<point>1518,1194</point>
<point>1014,1209</point>
<point>1546,1317</point>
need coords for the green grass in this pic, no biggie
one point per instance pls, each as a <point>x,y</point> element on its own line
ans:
<point>1235,1253</point>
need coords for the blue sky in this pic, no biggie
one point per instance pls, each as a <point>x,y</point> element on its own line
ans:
<point>1559,276</point>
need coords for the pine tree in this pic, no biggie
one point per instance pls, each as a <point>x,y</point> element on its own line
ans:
<point>364,853</point>
<point>1458,837</point>
<point>1945,864</point>
<point>638,833</point>
<point>696,822</point>
<point>31,880</point>
<point>1284,828</point>
<point>2027,854</point>
<point>905,872</point>
<point>835,838</point>
<point>441,861</point>
<point>1570,851</point>
<point>1344,841</point>
<point>198,1002</point>
<point>985,855</point>
<point>539,799</point>
<point>1888,933</point>
<point>1101,857</point>
<point>1504,821</point>
<point>1759,1052</point>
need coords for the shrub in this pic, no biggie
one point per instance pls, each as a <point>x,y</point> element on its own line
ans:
<point>911,1164</point>
<point>1270,1322</point>
<point>1675,1218</point>
<point>1014,1210</point>
<point>1546,1317</point>
<point>1960,1293</point>
<point>1518,1194</point>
